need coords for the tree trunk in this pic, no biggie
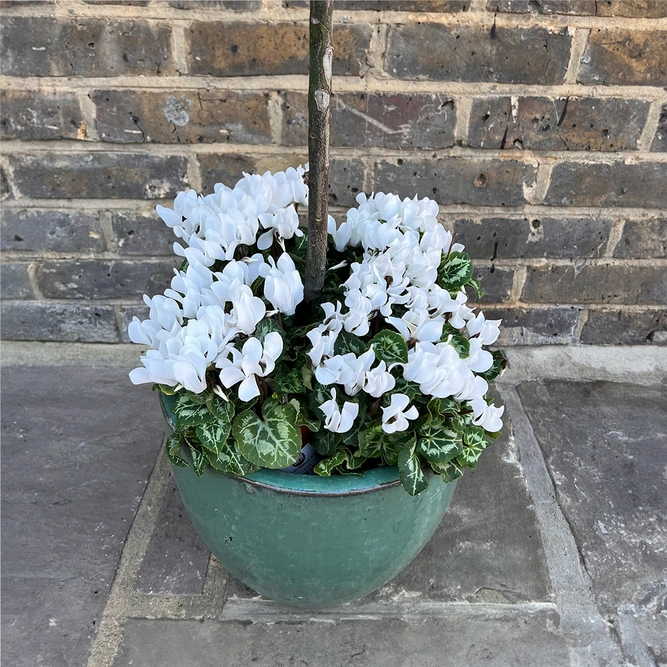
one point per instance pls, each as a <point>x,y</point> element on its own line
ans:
<point>319,120</point>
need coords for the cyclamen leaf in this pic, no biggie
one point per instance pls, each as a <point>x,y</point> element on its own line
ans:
<point>455,271</point>
<point>220,408</point>
<point>347,342</point>
<point>449,471</point>
<point>190,410</point>
<point>288,381</point>
<point>389,346</point>
<point>403,386</point>
<point>213,435</point>
<point>274,442</point>
<point>325,442</point>
<point>437,443</point>
<point>470,456</point>
<point>303,418</point>
<point>230,461</point>
<point>173,445</point>
<point>410,471</point>
<point>477,286</point>
<point>199,460</point>
<point>265,327</point>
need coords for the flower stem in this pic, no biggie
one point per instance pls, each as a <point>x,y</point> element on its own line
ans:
<point>319,121</point>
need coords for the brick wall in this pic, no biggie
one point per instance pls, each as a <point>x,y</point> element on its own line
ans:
<point>540,126</point>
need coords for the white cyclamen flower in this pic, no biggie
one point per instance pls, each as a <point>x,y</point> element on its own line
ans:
<point>486,330</point>
<point>438,369</point>
<point>346,369</point>
<point>283,224</point>
<point>254,360</point>
<point>282,284</point>
<point>487,416</point>
<point>395,417</point>
<point>378,381</point>
<point>337,420</point>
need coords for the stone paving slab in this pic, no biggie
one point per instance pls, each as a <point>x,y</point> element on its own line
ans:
<point>492,642</point>
<point>176,558</point>
<point>605,445</point>
<point>77,448</point>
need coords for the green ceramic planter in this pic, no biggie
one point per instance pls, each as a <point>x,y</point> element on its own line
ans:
<point>310,541</point>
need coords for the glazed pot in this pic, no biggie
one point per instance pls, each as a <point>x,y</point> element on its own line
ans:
<point>309,541</point>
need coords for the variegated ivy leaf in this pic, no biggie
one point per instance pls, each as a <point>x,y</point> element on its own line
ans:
<point>191,410</point>
<point>410,471</point>
<point>461,344</point>
<point>370,442</point>
<point>199,460</point>
<point>389,346</point>
<point>275,441</point>
<point>454,271</point>
<point>437,443</point>
<point>229,460</point>
<point>327,466</point>
<point>449,471</point>
<point>173,444</point>
<point>213,435</point>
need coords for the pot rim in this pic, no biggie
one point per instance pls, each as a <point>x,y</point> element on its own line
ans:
<point>376,479</point>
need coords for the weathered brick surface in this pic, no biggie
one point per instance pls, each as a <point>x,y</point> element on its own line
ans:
<point>85,47</point>
<point>345,176</point>
<point>14,281</point>
<point>643,239</point>
<point>604,284</point>
<point>406,5</point>
<point>535,326</point>
<point>236,5</point>
<point>621,327</point>
<point>660,139</point>
<point>99,175</point>
<point>625,57</point>
<point>40,115</point>
<point>506,238</point>
<point>5,191</point>
<point>496,284</point>
<point>138,234</point>
<point>127,116</point>
<point>83,323</point>
<point>570,123</point>
<point>614,184</point>
<point>127,313</point>
<point>471,53</point>
<point>102,279</point>
<point>542,6</point>
<point>455,180</point>
<point>50,230</point>
<point>632,8</point>
<point>245,49</point>
<point>363,119</point>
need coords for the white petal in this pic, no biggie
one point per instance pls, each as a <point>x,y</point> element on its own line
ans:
<point>140,376</point>
<point>273,345</point>
<point>230,376</point>
<point>248,389</point>
<point>265,240</point>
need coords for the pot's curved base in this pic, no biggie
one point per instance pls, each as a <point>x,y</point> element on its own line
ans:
<point>308,541</point>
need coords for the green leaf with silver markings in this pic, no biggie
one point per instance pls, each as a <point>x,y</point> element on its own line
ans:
<point>370,442</point>
<point>173,444</point>
<point>325,442</point>
<point>347,342</point>
<point>275,441</point>
<point>229,460</point>
<point>199,460</point>
<point>394,443</point>
<point>327,466</point>
<point>437,443</point>
<point>220,408</point>
<point>461,344</point>
<point>213,435</point>
<point>288,381</point>
<point>449,471</point>
<point>190,410</point>
<point>454,271</point>
<point>410,471</point>
<point>389,346</point>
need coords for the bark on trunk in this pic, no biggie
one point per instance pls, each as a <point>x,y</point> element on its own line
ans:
<point>319,120</point>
